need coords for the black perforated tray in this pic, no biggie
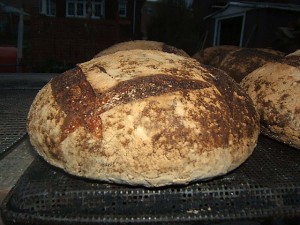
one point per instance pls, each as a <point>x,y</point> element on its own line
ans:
<point>17,91</point>
<point>266,186</point>
<point>14,106</point>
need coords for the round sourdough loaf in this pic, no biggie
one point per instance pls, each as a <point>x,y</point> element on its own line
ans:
<point>275,91</point>
<point>143,117</point>
<point>143,45</point>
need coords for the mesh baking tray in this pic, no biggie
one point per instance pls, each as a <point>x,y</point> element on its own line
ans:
<point>14,106</point>
<point>266,186</point>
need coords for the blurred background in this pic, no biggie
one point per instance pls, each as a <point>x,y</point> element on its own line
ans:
<point>51,36</point>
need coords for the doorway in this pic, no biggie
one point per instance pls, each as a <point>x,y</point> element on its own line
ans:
<point>229,31</point>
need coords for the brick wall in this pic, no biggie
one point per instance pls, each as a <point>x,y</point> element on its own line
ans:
<point>72,40</point>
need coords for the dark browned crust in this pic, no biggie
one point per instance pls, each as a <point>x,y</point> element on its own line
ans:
<point>267,132</point>
<point>293,60</point>
<point>275,117</point>
<point>147,86</point>
<point>83,106</point>
<point>239,105</point>
<point>77,99</point>
<point>171,49</point>
<point>213,56</point>
<point>240,63</point>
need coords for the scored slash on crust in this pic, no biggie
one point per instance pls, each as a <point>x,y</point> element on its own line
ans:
<point>83,106</point>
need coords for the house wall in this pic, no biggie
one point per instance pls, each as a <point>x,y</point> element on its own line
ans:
<point>265,24</point>
<point>261,28</point>
<point>208,33</point>
<point>60,40</point>
<point>69,41</point>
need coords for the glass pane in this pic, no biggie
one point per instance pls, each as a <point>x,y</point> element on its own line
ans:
<point>97,11</point>
<point>230,33</point>
<point>122,12</point>
<point>122,7</point>
<point>87,8</point>
<point>53,8</point>
<point>71,8</point>
<point>48,2</point>
<point>80,9</point>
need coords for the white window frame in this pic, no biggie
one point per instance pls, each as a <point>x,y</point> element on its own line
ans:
<point>217,31</point>
<point>48,7</point>
<point>94,3</point>
<point>76,3</point>
<point>93,7</point>
<point>122,5</point>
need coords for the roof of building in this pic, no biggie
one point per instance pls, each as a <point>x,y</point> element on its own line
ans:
<point>10,9</point>
<point>233,8</point>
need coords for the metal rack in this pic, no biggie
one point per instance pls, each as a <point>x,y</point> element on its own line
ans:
<point>17,92</point>
<point>14,106</point>
<point>266,186</point>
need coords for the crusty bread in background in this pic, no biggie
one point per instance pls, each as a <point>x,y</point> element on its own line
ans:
<point>213,56</point>
<point>243,61</point>
<point>295,53</point>
<point>143,117</point>
<point>294,58</point>
<point>275,91</point>
<point>143,45</point>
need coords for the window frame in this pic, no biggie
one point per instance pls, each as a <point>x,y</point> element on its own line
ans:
<point>46,7</point>
<point>122,3</point>
<point>76,3</point>
<point>85,8</point>
<point>93,8</point>
<point>218,24</point>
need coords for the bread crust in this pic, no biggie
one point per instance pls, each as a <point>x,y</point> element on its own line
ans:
<point>243,61</point>
<point>158,119</point>
<point>214,55</point>
<point>275,91</point>
<point>143,45</point>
